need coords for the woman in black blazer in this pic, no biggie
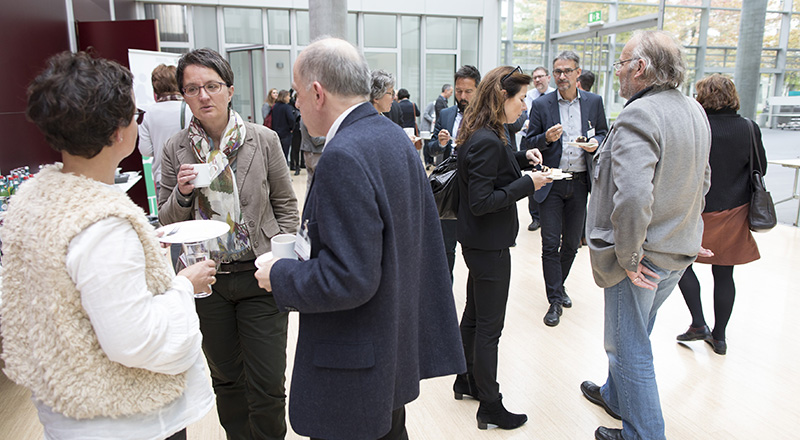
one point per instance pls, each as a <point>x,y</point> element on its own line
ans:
<point>283,121</point>
<point>490,182</point>
<point>727,230</point>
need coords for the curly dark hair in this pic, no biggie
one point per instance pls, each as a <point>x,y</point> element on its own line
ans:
<point>79,102</point>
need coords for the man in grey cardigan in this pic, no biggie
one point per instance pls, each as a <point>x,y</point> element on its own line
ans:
<point>650,177</point>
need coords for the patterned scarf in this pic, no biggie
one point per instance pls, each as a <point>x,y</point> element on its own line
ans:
<point>220,200</point>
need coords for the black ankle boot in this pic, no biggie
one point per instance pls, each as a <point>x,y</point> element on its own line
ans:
<point>465,386</point>
<point>494,413</point>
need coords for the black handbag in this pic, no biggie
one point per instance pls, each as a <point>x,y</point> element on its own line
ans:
<point>762,215</point>
<point>444,183</point>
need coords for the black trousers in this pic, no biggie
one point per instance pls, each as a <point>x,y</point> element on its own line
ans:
<point>484,316</point>
<point>449,230</point>
<point>294,152</point>
<point>563,214</point>
<point>180,435</point>
<point>244,340</point>
<point>398,429</point>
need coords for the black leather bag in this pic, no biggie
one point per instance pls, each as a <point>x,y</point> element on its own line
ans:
<point>762,215</point>
<point>444,183</point>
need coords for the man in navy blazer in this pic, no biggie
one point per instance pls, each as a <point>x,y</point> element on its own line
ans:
<point>556,121</point>
<point>444,133</point>
<point>376,307</point>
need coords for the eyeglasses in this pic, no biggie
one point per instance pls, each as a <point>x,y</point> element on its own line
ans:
<point>508,75</point>
<point>559,72</point>
<point>139,116</point>
<point>212,88</point>
<point>535,77</point>
<point>618,64</point>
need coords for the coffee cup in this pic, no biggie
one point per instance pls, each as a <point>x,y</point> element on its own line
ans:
<point>203,178</point>
<point>283,246</point>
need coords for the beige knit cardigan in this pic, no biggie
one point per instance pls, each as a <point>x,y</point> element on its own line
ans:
<point>49,345</point>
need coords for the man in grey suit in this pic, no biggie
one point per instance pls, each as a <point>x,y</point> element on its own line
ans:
<point>644,227</point>
<point>375,301</point>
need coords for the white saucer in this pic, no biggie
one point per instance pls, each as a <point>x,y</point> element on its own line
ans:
<point>192,231</point>
<point>263,258</point>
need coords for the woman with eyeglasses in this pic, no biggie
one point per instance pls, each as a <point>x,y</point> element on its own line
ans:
<point>94,321</point>
<point>244,333</point>
<point>490,182</point>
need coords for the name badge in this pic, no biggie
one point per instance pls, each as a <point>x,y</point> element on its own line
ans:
<point>590,133</point>
<point>302,244</point>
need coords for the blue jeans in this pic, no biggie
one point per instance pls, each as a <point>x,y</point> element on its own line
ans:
<point>631,389</point>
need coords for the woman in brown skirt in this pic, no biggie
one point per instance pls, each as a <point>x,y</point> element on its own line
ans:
<point>727,231</point>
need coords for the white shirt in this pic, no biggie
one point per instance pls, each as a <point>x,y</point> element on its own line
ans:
<point>531,96</point>
<point>456,125</point>
<point>159,333</point>
<point>570,113</point>
<point>161,121</point>
<point>338,122</point>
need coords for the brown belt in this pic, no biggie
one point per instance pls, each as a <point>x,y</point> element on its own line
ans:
<point>236,266</point>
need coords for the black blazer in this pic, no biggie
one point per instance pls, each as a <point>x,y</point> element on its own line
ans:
<point>282,120</point>
<point>409,112</point>
<point>490,182</point>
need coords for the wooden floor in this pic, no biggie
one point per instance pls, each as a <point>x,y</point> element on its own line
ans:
<point>752,393</point>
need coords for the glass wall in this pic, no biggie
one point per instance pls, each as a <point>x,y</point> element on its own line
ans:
<point>708,29</point>
<point>421,52</point>
<point>205,27</point>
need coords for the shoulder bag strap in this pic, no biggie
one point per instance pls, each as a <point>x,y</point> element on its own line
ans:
<point>753,148</point>
<point>183,114</point>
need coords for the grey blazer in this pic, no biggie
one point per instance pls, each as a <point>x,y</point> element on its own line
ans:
<point>267,199</point>
<point>650,178</point>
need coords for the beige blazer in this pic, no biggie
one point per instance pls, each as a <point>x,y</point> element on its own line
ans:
<point>268,202</point>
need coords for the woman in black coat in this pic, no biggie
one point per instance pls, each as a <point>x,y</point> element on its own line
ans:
<point>727,231</point>
<point>490,183</point>
<point>283,121</point>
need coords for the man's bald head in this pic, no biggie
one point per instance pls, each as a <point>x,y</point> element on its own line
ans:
<point>337,65</point>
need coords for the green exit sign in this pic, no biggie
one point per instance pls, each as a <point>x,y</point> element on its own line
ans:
<point>595,17</point>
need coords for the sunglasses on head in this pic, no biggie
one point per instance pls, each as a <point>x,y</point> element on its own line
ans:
<point>139,116</point>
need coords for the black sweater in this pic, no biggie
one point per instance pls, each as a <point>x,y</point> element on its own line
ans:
<point>730,160</point>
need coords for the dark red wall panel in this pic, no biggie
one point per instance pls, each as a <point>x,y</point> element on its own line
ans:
<point>31,32</point>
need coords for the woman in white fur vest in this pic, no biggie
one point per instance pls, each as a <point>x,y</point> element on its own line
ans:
<point>94,320</point>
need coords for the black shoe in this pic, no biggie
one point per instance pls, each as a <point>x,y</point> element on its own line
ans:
<point>534,225</point>
<point>603,433</point>
<point>566,301</point>
<point>552,317</point>
<point>720,347</point>
<point>592,393</point>
<point>465,386</point>
<point>495,413</point>
<point>297,172</point>
<point>428,167</point>
<point>695,334</point>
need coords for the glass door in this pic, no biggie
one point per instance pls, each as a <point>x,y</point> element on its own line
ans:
<point>248,88</point>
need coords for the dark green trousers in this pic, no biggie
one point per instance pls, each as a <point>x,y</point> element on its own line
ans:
<point>244,340</point>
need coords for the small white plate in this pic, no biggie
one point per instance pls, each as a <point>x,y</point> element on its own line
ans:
<point>581,144</point>
<point>192,231</point>
<point>560,176</point>
<point>263,258</point>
